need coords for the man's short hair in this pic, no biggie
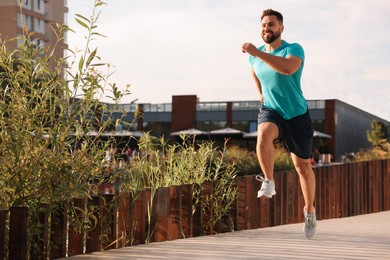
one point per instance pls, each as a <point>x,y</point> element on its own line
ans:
<point>269,12</point>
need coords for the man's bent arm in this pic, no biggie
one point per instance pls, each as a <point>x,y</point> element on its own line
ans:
<point>286,66</point>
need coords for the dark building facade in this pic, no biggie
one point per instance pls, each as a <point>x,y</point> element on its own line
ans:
<point>346,124</point>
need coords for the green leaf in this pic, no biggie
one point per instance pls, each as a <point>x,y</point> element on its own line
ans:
<point>82,23</point>
<point>90,58</point>
<point>81,63</point>
<point>99,34</point>
<point>83,17</point>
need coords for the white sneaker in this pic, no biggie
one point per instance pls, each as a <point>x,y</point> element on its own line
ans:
<point>267,187</point>
<point>310,227</point>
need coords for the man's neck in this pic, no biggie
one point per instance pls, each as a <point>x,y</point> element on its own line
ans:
<point>273,45</point>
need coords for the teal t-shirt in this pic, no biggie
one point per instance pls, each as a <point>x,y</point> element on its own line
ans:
<point>282,92</point>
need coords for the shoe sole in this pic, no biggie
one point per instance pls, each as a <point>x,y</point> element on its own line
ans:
<point>268,197</point>
<point>309,237</point>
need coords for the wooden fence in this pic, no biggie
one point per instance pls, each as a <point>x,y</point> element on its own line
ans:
<point>342,190</point>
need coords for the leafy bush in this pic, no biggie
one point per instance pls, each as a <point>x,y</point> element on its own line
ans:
<point>246,162</point>
<point>283,161</point>
<point>381,147</point>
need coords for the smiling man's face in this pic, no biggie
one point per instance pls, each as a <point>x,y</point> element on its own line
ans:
<point>271,28</point>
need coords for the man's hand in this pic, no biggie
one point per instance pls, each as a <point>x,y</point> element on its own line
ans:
<point>249,48</point>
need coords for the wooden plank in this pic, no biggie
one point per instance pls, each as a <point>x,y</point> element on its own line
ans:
<point>386,184</point>
<point>290,197</point>
<point>355,190</point>
<point>108,213</point>
<point>186,211</point>
<point>254,201</point>
<point>76,236</point>
<point>297,192</point>
<point>284,199</point>
<point>148,215</point>
<point>3,228</point>
<point>371,188</point>
<point>337,173</point>
<point>257,203</point>
<point>124,219</point>
<point>318,195</point>
<point>240,204</point>
<point>277,199</point>
<point>138,219</point>
<point>207,204</point>
<point>197,215</point>
<point>376,190</point>
<point>329,188</point>
<point>249,202</point>
<point>18,233</point>
<point>301,200</point>
<point>332,191</point>
<point>58,232</point>
<point>93,243</point>
<point>40,246</point>
<point>161,209</point>
<point>174,226</point>
<point>362,184</point>
<point>343,197</point>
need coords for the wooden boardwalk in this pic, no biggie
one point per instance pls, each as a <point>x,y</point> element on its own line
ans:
<point>359,237</point>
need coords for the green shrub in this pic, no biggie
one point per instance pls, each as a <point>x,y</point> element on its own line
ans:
<point>380,145</point>
<point>246,162</point>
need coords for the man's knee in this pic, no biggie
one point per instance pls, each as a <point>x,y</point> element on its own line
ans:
<point>266,133</point>
<point>303,167</point>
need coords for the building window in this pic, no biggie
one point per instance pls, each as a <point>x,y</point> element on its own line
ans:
<point>241,125</point>
<point>252,126</point>
<point>39,6</point>
<point>24,21</point>
<point>245,105</point>
<point>39,26</point>
<point>316,104</point>
<point>39,44</point>
<point>27,4</point>
<point>210,125</point>
<point>211,106</point>
<point>19,40</point>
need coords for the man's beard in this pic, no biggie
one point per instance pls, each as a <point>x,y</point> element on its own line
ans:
<point>274,36</point>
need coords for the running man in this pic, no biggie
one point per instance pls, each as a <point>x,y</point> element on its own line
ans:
<point>277,68</point>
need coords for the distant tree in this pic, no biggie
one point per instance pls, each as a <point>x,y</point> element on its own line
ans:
<point>377,136</point>
<point>381,147</point>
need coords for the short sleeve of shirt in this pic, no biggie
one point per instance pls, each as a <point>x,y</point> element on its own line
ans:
<point>295,50</point>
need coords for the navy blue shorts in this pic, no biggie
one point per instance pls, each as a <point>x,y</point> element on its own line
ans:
<point>295,133</point>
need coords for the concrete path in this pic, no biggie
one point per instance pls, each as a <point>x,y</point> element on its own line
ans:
<point>359,237</point>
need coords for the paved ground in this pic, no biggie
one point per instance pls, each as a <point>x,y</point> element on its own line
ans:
<point>359,237</point>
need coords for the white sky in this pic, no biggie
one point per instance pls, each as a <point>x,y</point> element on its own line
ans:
<point>193,47</point>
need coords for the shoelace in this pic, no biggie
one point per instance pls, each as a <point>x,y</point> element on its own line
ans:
<point>260,178</point>
<point>264,181</point>
<point>309,219</point>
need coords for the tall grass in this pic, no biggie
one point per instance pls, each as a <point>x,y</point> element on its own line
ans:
<point>162,164</point>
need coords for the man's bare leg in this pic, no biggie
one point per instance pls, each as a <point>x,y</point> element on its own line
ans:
<point>267,132</point>
<point>307,180</point>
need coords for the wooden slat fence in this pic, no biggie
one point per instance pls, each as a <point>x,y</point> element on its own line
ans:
<point>168,213</point>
